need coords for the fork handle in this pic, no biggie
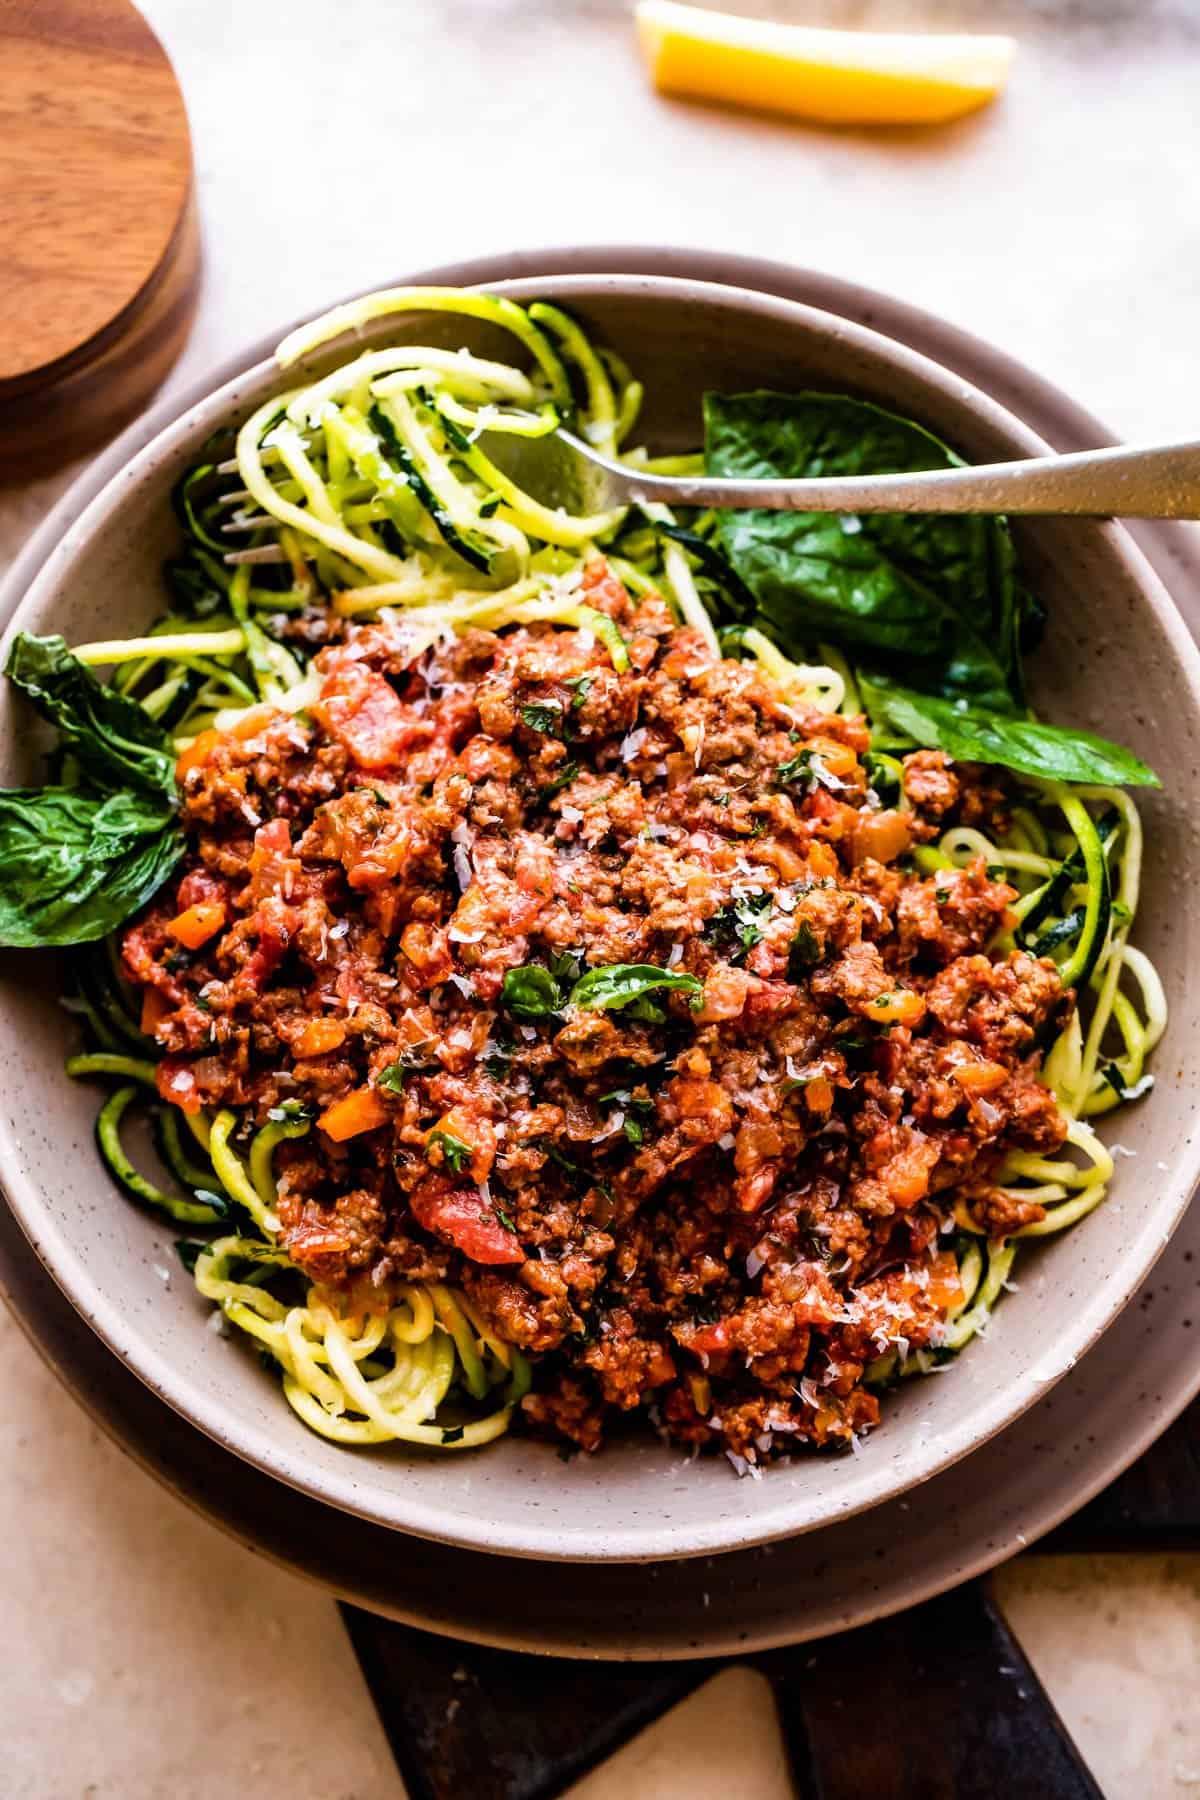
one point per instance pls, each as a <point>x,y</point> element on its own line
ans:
<point>1160,482</point>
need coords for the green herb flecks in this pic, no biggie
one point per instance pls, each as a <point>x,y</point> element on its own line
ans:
<point>544,716</point>
<point>737,927</point>
<point>455,1154</point>
<point>805,952</point>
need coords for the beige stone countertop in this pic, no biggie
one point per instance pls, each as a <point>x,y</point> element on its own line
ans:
<point>336,146</point>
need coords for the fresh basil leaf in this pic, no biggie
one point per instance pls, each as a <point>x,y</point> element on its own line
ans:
<point>619,984</point>
<point>932,597</point>
<point>1116,1082</point>
<point>1053,752</point>
<point>497,1056</point>
<point>114,739</point>
<point>530,992</point>
<point>74,865</point>
<point>566,965</point>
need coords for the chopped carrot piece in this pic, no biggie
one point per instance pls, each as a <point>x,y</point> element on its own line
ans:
<point>197,753</point>
<point>899,1006</point>
<point>363,1110</point>
<point>837,759</point>
<point>882,835</point>
<point>155,1007</point>
<point>822,860</point>
<point>945,1287</point>
<point>818,1094</point>
<point>320,1037</point>
<point>980,1077</point>
<point>202,747</point>
<point>196,924</point>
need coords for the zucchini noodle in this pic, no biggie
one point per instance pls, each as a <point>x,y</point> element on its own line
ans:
<point>369,492</point>
<point>354,1378</point>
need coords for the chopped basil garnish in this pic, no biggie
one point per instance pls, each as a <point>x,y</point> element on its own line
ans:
<point>564,778</point>
<point>545,716</point>
<point>454,1152</point>
<point>531,992</point>
<point>738,926</point>
<point>797,768</point>
<point>805,952</point>
<point>618,985</point>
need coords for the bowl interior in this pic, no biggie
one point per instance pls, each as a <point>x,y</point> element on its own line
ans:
<point>1116,658</point>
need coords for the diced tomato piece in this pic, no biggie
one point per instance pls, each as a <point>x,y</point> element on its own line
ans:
<point>176,1083</point>
<point>428,951</point>
<point>275,835</point>
<point>945,1284</point>
<point>821,859</point>
<point>711,1340</point>
<point>769,998</point>
<point>364,713</point>
<point>463,1217</point>
<point>273,869</point>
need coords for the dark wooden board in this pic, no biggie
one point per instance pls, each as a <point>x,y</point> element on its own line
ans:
<point>937,1703</point>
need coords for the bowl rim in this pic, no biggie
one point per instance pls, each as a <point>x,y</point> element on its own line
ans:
<point>102,483</point>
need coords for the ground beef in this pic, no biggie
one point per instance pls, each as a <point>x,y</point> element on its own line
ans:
<point>719,1206</point>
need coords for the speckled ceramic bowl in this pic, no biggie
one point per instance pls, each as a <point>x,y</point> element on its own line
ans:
<point>1117,658</point>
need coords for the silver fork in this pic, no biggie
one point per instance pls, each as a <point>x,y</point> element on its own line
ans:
<point>1161,481</point>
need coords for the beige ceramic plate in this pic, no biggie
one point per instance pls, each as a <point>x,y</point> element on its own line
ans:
<point>1117,658</point>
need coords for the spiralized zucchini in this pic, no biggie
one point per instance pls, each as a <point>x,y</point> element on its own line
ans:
<point>380,501</point>
<point>357,1379</point>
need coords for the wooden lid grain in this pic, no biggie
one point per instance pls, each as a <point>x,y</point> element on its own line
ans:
<point>99,257</point>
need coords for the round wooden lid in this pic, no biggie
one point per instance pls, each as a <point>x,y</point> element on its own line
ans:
<point>98,246</point>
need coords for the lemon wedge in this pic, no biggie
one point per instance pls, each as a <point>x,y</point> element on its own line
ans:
<point>836,77</point>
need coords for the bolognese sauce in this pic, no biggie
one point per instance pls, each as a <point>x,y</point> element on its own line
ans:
<point>717,1184</point>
